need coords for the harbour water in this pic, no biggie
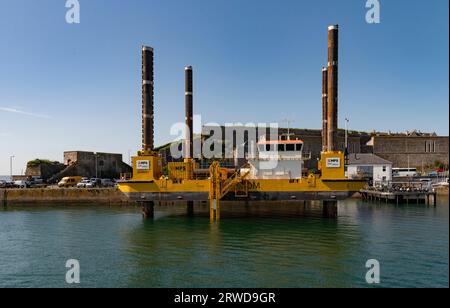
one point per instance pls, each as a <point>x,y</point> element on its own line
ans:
<point>117,248</point>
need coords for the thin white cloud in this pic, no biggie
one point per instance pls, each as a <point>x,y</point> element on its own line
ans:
<point>18,111</point>
<point>2,134</point>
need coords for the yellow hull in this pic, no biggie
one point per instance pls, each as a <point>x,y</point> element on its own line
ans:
<point>258,189</point>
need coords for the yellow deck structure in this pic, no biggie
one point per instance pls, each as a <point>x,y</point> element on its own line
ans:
<point>148,184</point>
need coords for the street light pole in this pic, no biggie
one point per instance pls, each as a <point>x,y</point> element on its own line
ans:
<point>346,133</point>
<point>11,166</point>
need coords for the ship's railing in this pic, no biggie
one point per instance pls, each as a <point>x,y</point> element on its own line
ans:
<point>307,156</point>
<point>280,157</point>
<point>401,186</point>
<point>126,176</point>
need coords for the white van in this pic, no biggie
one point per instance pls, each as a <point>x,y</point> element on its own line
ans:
<point>404,172</point>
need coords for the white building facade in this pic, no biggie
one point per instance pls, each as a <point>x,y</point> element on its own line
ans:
<point>369,166</point>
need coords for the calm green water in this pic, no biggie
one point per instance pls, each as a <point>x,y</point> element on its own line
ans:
<point>117,248</point>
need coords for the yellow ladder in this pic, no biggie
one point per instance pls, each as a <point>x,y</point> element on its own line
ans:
<point>214,191</point>
<point>219,188</point>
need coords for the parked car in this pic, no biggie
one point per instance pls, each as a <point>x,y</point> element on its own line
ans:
<point>116,183</point>
<point>21,184</point>
<point>7,184</point>
<point>70,181</point>
<point>83,183</point>
<point>94,182</point>
<point>107,183</point>
<point>37,181</point>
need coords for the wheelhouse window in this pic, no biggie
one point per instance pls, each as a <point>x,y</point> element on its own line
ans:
<point>270,148</point>
<point>290,147</point>
<point>281,148</point>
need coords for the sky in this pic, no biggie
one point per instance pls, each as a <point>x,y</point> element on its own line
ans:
<point>78,86</point>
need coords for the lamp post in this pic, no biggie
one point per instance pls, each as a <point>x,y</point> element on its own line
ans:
<point>11,166</point>
<point>96,165</point>
<point>346,133</point>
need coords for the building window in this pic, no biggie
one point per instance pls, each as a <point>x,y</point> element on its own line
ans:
<point>430,146</point>
<point>384,168</point>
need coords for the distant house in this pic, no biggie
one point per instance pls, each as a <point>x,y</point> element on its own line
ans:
<point>369,166</point>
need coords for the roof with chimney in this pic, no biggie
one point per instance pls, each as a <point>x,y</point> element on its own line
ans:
<point>367,159</point>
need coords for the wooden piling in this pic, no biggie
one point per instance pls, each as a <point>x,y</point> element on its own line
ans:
<point>330,209</point>
<point>190,208</point>
<point>148,209</point>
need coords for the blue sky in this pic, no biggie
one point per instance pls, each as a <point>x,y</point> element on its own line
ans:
<point>77,87</point>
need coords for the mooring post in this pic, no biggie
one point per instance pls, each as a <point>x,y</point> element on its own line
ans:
<point>190,208</point>
<point>330,209</point>
<point>435,199</point>
<point>148,209</point>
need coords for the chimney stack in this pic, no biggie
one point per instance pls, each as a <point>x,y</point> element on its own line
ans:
<point>147,99</point>
<point>332,106</point>
<point>189,112</point>
<point>324,109</point>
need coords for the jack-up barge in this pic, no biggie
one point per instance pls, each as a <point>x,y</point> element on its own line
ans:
<point>284,182</point>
